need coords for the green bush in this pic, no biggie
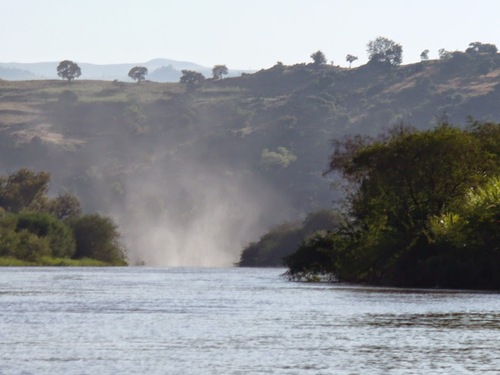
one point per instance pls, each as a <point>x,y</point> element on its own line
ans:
<point>272,247</point>
<point>97,237</point>
<point>282,240</point>
<point>30,246</point>
<point>58,235</point>
<point>9,239</point>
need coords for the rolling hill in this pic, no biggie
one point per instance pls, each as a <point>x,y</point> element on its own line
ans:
<point>202,171</point>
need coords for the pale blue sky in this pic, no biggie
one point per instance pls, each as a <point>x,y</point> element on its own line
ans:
<point>249,34</point>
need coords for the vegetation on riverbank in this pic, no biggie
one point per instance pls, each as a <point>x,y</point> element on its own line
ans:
<point>281,240</point>
<point>226,159</point>
<point>423,211</point>
<point>53,262</point>
<point>36,230</point>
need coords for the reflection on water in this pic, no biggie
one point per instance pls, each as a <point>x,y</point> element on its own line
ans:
<point>236,321</point>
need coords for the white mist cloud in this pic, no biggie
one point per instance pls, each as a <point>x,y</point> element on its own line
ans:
<point>197,216</point>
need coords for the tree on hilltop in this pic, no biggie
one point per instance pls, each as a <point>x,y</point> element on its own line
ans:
<point>138,73</point>
<point>68,70</point>
<point>218,71</point>
<point>350,59</point>
<point>319,58</point>
<point>444,54</point>
<point>383,50</point>
<point>424,56</point>
<point>477,48</point>
<point>192,79</point>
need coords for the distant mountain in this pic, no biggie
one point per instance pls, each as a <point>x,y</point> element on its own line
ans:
<point>161,70</point>
<point>14,74</point>
<point>165,74</point>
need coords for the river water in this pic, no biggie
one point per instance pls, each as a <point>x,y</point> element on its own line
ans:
<point>236,321</point>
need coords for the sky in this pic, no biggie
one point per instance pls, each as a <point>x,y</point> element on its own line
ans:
<point>241,34</point>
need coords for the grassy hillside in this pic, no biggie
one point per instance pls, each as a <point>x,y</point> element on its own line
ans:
<point>221,163</point>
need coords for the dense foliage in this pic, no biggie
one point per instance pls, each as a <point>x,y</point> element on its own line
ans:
<point>68,70</point>
<point>36,229</point>
<point>103,243</point>
<point>424,210</point>
<point>218,71</point>
<point>385,51</point>
<point>138,73</point>
<point>282,240</point>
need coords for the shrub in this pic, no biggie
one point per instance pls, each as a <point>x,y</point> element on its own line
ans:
<point>58,235</point>
<point>29,246</point>
<point>97,237</point>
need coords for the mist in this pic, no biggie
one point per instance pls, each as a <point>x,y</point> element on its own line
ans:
<point>195,214</point>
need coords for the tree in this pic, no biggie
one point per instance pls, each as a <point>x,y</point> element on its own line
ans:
<point>138,73</point>
<point>68,70</point>
<point>444,54</point>
<point>423,211</point>
<point>313,259</point>
<point>350,59</point>
<point>65,206</point>
<point>272,247</point>
<point>412,176</point>
<point>192,79</point>
<point>319,58</point>
<point>475,222</point>
<point>484,56</point>
<point>281,158</point>
<point>57,234</point>
<point>424,56</point>
<point>97,237</point>
<point>24,189</point>
<point>402,181</point>
<point>280,241</point>
<point>383,50</point>
<point>321,220</point>
<point>218,71</point>
<point>477,48</point>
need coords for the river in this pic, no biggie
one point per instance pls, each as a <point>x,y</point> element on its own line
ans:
<point>236,321</point>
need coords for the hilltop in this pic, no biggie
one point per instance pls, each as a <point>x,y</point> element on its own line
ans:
<point>214,166</point>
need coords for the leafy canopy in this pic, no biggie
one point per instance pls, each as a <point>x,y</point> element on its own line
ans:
<point>68,70</point>
<point>422,210</point>
<point>318,58</point>
<point>350,59</point>
<point>192,79</point>
<point>477,48</point>
<point>97,237</point>
<point>23,189</point>
<point>383,50</point>
<point>138,73</point>
<point>218,71</point>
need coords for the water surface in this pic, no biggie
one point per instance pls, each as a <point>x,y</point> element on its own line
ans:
<point>236,321</point>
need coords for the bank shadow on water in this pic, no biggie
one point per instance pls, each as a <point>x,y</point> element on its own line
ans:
<point>361,288</point>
